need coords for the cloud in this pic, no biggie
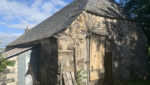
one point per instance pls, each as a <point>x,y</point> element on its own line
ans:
<point>19,15</point>
<point>37,3</point>
<point>6,38</point>
<point>15,13</point>
<point>22,25</point>
<point>2,23</point>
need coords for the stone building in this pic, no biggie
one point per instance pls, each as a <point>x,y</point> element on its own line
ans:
<point>94,37</point>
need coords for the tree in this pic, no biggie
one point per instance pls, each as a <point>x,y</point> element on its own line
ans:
<point>4,63</point>
<point>139,10</point>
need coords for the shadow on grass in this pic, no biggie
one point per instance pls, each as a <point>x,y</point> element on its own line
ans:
<point>138,82</point>
<point>134,82</point>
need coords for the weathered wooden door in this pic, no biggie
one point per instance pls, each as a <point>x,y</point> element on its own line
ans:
<point>97,53</point>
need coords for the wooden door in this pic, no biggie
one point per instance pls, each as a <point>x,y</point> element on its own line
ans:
<point>97,53</point>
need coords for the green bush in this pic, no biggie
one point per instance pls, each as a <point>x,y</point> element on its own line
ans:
<point>4,63</point>
<point>79,77</point>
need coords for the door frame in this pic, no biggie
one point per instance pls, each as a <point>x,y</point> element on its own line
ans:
<point>88,39</point>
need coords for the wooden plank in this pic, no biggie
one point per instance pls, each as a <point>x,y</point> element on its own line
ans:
<point>94,61</point>
<point>97,53</point>
<point>61,81</point>
<point>65,79</point>
<point>73,78</point>
<point>69,78</point>
<point>88,58</point>
<point>74,60</point>
<point>14,52</point>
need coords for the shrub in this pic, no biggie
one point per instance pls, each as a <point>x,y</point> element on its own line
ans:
<point>4,63</point>
<point>79,77</point>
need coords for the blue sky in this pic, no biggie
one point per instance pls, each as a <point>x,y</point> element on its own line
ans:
<point>16,15</point>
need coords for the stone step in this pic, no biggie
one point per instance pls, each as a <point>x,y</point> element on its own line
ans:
<point>9,80</point>
<point>2,83</point>
<point>10,67</point>
<point>9,76</point>
<point>11,83</point>
<point>12,71</point>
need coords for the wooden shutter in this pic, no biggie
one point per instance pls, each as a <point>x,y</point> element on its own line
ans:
<point>97,53</point>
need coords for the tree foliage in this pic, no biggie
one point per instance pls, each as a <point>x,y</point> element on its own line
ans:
<point>4,63</point>
<point>139,10</point>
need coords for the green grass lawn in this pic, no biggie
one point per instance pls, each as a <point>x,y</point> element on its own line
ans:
<point>138,82</point>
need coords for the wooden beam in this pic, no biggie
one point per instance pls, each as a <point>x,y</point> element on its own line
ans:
<point>88,58</point>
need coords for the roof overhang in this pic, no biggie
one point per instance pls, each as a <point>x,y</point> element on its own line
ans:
<point>14,52</point>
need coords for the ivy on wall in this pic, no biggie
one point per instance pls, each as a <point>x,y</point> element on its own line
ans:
<point>80,77</point>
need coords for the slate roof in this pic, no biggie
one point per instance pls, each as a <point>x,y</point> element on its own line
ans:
<point>107,8</point>
<point>63,18</point>
<point>13,52</point>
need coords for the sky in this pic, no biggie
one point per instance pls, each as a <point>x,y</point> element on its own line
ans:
<point>16,15</point>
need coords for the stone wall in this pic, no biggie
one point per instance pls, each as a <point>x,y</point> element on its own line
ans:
<point>128,45</point>
<point>3,77</point>
<point>12,75</point>
<point>72,53</point>
<point>8,76</point>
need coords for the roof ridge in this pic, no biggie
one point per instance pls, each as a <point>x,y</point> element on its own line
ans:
<point>63,18</point>
<point>106,8</point>
<point>57,22</point>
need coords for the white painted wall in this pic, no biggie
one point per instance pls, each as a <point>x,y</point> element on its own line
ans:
<point>23,60</point>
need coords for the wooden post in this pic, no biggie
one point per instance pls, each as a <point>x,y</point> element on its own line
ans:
<point>88,58</point>
<point>61,75</point>
<point>74,60</point>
